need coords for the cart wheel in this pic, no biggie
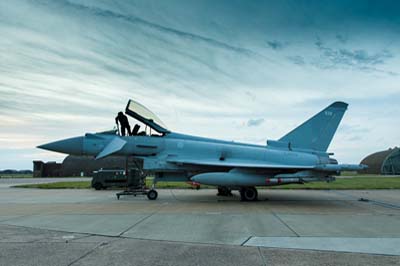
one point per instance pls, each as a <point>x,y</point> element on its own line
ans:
<point>152,194</point>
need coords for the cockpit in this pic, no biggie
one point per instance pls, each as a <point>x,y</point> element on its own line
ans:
<point>147,123</point>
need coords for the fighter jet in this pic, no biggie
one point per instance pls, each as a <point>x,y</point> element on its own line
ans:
<point>298,157</point>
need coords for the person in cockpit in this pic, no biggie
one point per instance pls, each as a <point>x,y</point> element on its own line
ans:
<point>124,123</point>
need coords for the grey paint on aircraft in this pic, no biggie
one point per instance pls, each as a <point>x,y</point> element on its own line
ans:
<point>299,156</point>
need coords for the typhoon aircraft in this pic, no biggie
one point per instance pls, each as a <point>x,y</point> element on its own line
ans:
<point>298,157</point>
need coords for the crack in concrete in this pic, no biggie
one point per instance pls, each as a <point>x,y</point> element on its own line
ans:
<point>140,221</point>
<point>262,256</point>
<point>86,254</point>
<point>283,222</point>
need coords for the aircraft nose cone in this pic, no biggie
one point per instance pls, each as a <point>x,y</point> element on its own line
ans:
<point>68,146</point>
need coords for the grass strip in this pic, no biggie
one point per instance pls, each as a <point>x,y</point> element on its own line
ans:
<point>360,182</point>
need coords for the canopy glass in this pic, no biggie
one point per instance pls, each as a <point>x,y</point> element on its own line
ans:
<point>144,115</point>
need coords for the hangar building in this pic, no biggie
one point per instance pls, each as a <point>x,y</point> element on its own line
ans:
<point>75,165</point>
<point>49,169</point>
<point>79,166</point>
<point>383,162</point>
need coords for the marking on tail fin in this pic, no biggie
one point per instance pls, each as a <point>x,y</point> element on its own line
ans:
<point>318,131</point>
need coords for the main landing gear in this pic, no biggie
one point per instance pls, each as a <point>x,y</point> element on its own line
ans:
<point>224,191</point>
<point>248,194</point>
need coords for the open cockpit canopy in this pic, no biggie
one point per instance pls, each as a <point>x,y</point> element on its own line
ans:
<point>144,115</point>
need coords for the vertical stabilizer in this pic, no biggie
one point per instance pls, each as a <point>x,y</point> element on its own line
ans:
<point>317,132</point>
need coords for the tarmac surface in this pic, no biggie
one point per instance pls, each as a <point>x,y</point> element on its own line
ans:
<point>195,227</point>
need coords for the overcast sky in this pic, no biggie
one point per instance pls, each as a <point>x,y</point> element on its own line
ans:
<point>237,70</point>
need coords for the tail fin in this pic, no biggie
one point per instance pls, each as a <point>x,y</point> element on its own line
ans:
<point>317,132</point>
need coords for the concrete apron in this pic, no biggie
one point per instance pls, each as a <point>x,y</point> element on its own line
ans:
<point>314,220</point>
<point>381,246</point>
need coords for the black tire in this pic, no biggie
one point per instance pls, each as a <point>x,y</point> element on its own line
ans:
<point>152,194</point>
<point>249,194</point>
<point>98,186</point>
<point>224,191</point>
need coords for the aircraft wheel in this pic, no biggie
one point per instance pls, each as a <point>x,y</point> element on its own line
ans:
<point>248,194</point>
<point>152,194</point>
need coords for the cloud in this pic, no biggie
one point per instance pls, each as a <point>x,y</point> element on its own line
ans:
<point>251,96</point>
<point>354,58</point>
<point>162,29</point>
<point>277,45</point>
<point>353,129</point>
<point>67,67</point>
<point>341,38</point>
<point>255,122</point>
<point>355,138</point>
<point>357,57</point>
<point>297,60</point>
